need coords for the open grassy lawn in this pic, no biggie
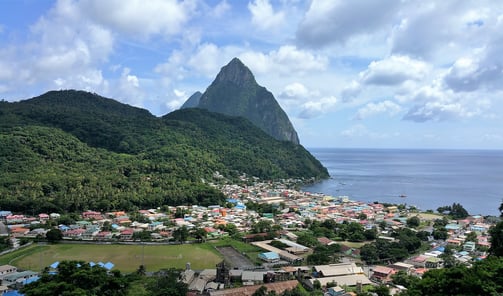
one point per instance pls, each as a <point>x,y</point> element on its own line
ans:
<point>427,216</point>
<point>354,245</point>
<point>126,258</point>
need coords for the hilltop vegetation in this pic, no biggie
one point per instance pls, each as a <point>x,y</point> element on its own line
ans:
<point>73,150</point>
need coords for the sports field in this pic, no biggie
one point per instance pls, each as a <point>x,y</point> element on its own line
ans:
<point>127,258</point>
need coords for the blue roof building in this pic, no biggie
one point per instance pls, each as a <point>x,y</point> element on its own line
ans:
<point>269,256</point>
<point>12,293</point>
<point>4,214</point>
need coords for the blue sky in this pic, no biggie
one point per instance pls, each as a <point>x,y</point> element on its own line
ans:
<point>384,74</point>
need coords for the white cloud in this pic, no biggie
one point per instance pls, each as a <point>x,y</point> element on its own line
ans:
<point>316,108</point>
<point>206,60</point>
<point>264,17</point>
<point>439,30</point>
<point>295,91</point>
<point>64,51</point>
<point>175,66</point>
<point>435,103</point>
<point>482,70</point>
<point>220,9</point>
<point>287,59</point>
<point>139,18</point>
<point>328,22</point>
<point>394,70</point>
<point>371,109</point>
<point>438,111</point>
<point>177,102</point>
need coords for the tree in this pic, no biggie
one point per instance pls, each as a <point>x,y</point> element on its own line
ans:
<point>307,239</point>
<point>54,235</point>
<point>181,234</point>
<point>78,278</point>
<point>369,253</point>
<point>440,234</point>
<point>262,226</point>
<point>471,236</point>
<point>403,279</point>
<point>458,211</point>
<point>381,290</point>
<point>413,222</point>
<point>200,234</point>
<point>370,234</point>
<point>496,234</point>
<point>165,283</point>
<point>362,216</point>
<point>231,228</point>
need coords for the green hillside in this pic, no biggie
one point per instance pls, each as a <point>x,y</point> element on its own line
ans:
<point>73,150</point>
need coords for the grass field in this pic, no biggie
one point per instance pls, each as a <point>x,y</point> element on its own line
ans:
<point>427,216</point>
<point>127,258</point>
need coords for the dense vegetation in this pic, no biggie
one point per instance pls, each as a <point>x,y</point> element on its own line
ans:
<point>73,150</point>
<point>78,278</point>
<point>456,211</point>
<point>483,278</point>
<point>384,251</point>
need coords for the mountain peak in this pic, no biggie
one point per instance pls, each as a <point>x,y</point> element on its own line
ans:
<point>235,72</point>
<point>193,100</point>
<point>235,92</point>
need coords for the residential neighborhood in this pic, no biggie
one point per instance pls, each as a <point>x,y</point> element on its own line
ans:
<point>283,257</point>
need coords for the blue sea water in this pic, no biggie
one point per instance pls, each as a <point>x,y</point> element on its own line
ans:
<point>427,178</point>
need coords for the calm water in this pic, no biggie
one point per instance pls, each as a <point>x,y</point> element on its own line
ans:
<point>428,178</point>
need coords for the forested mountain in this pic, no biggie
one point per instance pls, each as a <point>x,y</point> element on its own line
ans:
<point>73,150</point>
<point>235,92</point>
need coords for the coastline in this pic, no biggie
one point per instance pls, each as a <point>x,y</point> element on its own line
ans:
<point>430,178</point>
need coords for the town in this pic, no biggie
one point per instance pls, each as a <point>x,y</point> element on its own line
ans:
<point>303,237</point>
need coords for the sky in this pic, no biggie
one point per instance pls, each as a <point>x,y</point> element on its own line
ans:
<point>359,73</point>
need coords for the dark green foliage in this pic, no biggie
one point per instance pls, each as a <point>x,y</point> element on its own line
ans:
<point>166,283</point>
<point>324,255</point>
<point>496,233</point>
<point>413,222</point>
<point>403,279</point>
<point>54,235</point>
<point>384,251</point>
<point>4,243</point>
<point>278,244</point>
<point>72,151</point>
<point>78,278</point>
<point>484,278</point>
<point>381,290</point>
<point>306,238</point>
<point>456,211</point>
<point>181,234</point>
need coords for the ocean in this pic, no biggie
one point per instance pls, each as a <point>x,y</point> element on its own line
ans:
<point>426,179</point>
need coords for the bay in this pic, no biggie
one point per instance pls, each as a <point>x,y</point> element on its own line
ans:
<point>426,179</point>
